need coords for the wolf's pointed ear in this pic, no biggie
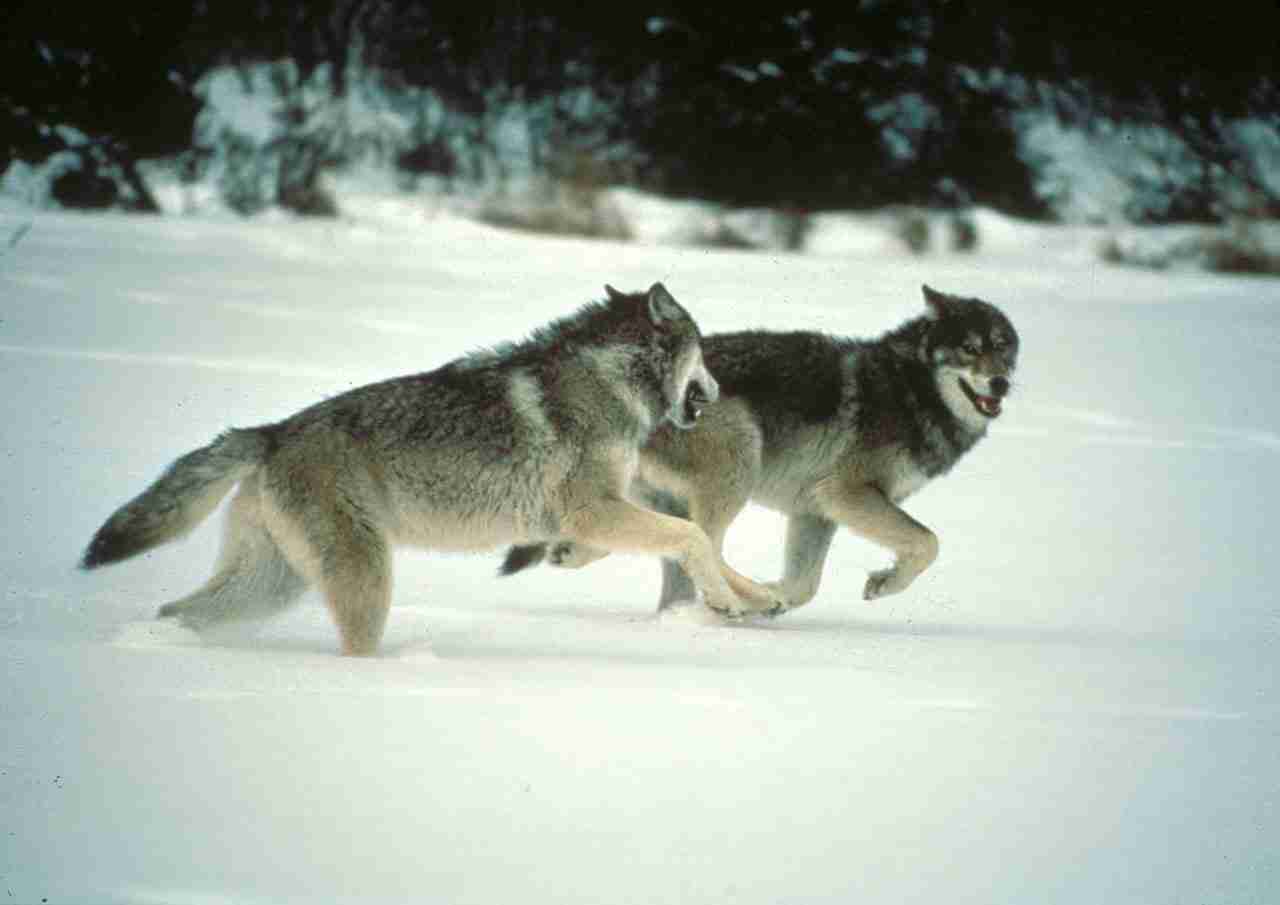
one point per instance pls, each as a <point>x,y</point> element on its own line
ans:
<point>614,295</point>
<point>936,301</point>
<point>663,308</point>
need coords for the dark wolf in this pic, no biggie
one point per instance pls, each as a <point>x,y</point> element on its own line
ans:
<point>829,431</point>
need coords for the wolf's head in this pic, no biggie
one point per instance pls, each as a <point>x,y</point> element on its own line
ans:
<point>973,349</point>
<point>686,385</point>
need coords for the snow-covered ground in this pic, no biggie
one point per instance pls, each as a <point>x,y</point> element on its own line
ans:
<point>1078,703</point>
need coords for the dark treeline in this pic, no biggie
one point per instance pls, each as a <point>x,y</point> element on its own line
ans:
<point>805,105</point>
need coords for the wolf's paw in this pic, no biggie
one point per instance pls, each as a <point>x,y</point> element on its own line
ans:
<point>566,554</point>
<point>779,600</point>
<point>882,584</point>
<point>737,613</point>
<point>729,614</point>
<point>757,598</point>
<point>775,608</point>
<point>731,609</point>
<point>561,554</point>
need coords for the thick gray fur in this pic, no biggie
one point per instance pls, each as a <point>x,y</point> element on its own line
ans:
<point>524,443</point>
<point>831,432</point>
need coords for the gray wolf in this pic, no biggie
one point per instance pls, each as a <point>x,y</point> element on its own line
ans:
<point>829,431</point>
<point>524,443</point>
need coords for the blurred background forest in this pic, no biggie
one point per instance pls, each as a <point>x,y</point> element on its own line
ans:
<point>1098,113</point>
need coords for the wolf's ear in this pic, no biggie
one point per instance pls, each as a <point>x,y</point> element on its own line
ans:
<point>614,295</point>
<point>937,302</point>
<point>663,308</point>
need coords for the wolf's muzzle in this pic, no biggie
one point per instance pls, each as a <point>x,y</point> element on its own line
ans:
<point>987,405</point>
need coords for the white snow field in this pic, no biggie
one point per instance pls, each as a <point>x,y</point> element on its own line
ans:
<point>1078,703</point>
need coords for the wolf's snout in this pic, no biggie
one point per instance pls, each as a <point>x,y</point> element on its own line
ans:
<point>999,386</point>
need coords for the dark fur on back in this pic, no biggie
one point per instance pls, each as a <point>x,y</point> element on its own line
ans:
<point>789,375</point>
<point>808,378</point>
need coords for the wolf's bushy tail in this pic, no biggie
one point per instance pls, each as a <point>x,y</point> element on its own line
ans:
<point>180,498</point>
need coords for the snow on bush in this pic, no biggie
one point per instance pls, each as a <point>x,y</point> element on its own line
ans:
<point>1108,174</point>
<point>32,184</point>
<point>1243,246</point>
<point>83,174</point>
<point>1112,173</point>
<point>1257,143</point>
<point>267,134</point>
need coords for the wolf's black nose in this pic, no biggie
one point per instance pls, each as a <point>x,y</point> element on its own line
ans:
<point>999,385</point>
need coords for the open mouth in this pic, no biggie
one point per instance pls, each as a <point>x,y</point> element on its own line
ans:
<point>695,400</point>
<point>988,406</point>
<point>693,404</point>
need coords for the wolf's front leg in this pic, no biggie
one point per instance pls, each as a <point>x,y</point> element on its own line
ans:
<point>808,541</point>
<point>765,599</point>
<point>868,513</point>
<point>623,527</point>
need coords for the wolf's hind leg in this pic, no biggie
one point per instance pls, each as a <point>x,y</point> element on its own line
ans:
<point>326,520</point>
<point>357,588</point>
<point>350,559</point>
<point>252,580</point>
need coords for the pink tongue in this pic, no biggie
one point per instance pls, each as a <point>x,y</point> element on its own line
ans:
<point>990,404</point>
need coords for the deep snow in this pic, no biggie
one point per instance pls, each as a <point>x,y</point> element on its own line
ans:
<point>1077,703</point>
